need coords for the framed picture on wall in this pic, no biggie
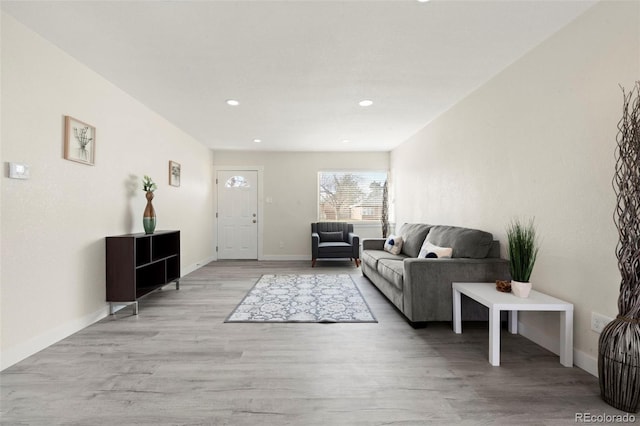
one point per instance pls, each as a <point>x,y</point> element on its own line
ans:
<point>174,173</point>
<point>79,141</point>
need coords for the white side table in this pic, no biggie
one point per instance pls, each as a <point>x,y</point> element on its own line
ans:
<point>496,301</point>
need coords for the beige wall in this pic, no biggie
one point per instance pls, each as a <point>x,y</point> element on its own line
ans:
<point>291,184</point>
<point>538,140</point>
<point>53,225</point>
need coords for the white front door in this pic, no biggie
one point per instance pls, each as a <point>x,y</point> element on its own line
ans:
<point>237,214</point>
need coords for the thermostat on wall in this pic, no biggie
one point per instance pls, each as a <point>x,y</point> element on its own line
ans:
<point>18,171</point>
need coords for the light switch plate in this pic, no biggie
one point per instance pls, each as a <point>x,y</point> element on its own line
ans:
<point>18,171</point>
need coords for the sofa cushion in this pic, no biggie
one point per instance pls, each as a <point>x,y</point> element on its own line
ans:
<point>432,251</point>
<point>371,257</point>
<point>392,270</point>
<point>327,237</point>
<point>465,242</point>
<point>413,235</point>
<point>393,244</point>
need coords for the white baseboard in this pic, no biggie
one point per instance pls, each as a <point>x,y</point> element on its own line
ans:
<point>586,362</point>
<point>580,359</point>
<point>34,345</point>
<point>189,269</point>
<point>286,257</point>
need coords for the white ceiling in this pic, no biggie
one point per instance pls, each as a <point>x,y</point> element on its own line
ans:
<point>298,68</point>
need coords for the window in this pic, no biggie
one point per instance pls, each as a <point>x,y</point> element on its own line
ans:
<point>350,195</point>
<point>237,182</point>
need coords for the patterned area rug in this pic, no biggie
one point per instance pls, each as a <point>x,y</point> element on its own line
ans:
<point>303,298</point>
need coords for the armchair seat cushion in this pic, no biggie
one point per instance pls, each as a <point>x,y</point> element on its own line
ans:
<point>335,249</point>
<point>334,244</point>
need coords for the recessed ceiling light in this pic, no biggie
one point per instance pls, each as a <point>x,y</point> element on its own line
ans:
<point>232,102</point>
<point>345,141</point>
<point>257,140</point>
<point>365,102</point>
<point>423,1</point>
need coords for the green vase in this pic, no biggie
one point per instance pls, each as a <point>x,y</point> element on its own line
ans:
<point>149,216</point>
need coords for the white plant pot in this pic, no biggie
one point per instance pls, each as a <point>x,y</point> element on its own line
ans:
<point>520,289</point>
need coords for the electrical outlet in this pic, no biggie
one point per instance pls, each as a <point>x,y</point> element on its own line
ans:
<point>599,321</point>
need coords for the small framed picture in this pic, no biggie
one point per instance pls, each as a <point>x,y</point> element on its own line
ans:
<point>79,141</point>
<point>174,173</point>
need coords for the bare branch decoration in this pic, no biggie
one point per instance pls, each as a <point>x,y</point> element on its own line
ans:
<point>619,344</point>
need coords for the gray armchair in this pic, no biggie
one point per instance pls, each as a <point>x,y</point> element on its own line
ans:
<point>334,240</point>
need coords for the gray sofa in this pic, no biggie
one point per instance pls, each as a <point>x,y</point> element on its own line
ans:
<point>421,288</point>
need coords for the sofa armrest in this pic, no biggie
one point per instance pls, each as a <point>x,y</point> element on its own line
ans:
<point>315,241</point>
<point>373,244</point>
<point>354,240</point>
<point>427,289</point>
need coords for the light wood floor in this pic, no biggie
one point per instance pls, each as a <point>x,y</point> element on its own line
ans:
<point>177,363</point>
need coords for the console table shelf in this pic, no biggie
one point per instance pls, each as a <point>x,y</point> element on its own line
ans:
<point>138,264</point>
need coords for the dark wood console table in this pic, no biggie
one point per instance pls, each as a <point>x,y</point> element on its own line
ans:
<point>138,264</point>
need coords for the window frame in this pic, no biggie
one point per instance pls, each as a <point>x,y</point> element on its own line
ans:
<point>360,222</point>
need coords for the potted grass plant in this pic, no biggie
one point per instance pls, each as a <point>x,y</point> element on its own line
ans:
<point>523,251</point>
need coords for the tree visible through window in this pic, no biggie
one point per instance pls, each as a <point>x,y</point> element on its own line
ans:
<point>350,195</point>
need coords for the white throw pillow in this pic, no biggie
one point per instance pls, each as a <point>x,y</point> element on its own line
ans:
<point>393,244</point>
<point>433,251</point>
